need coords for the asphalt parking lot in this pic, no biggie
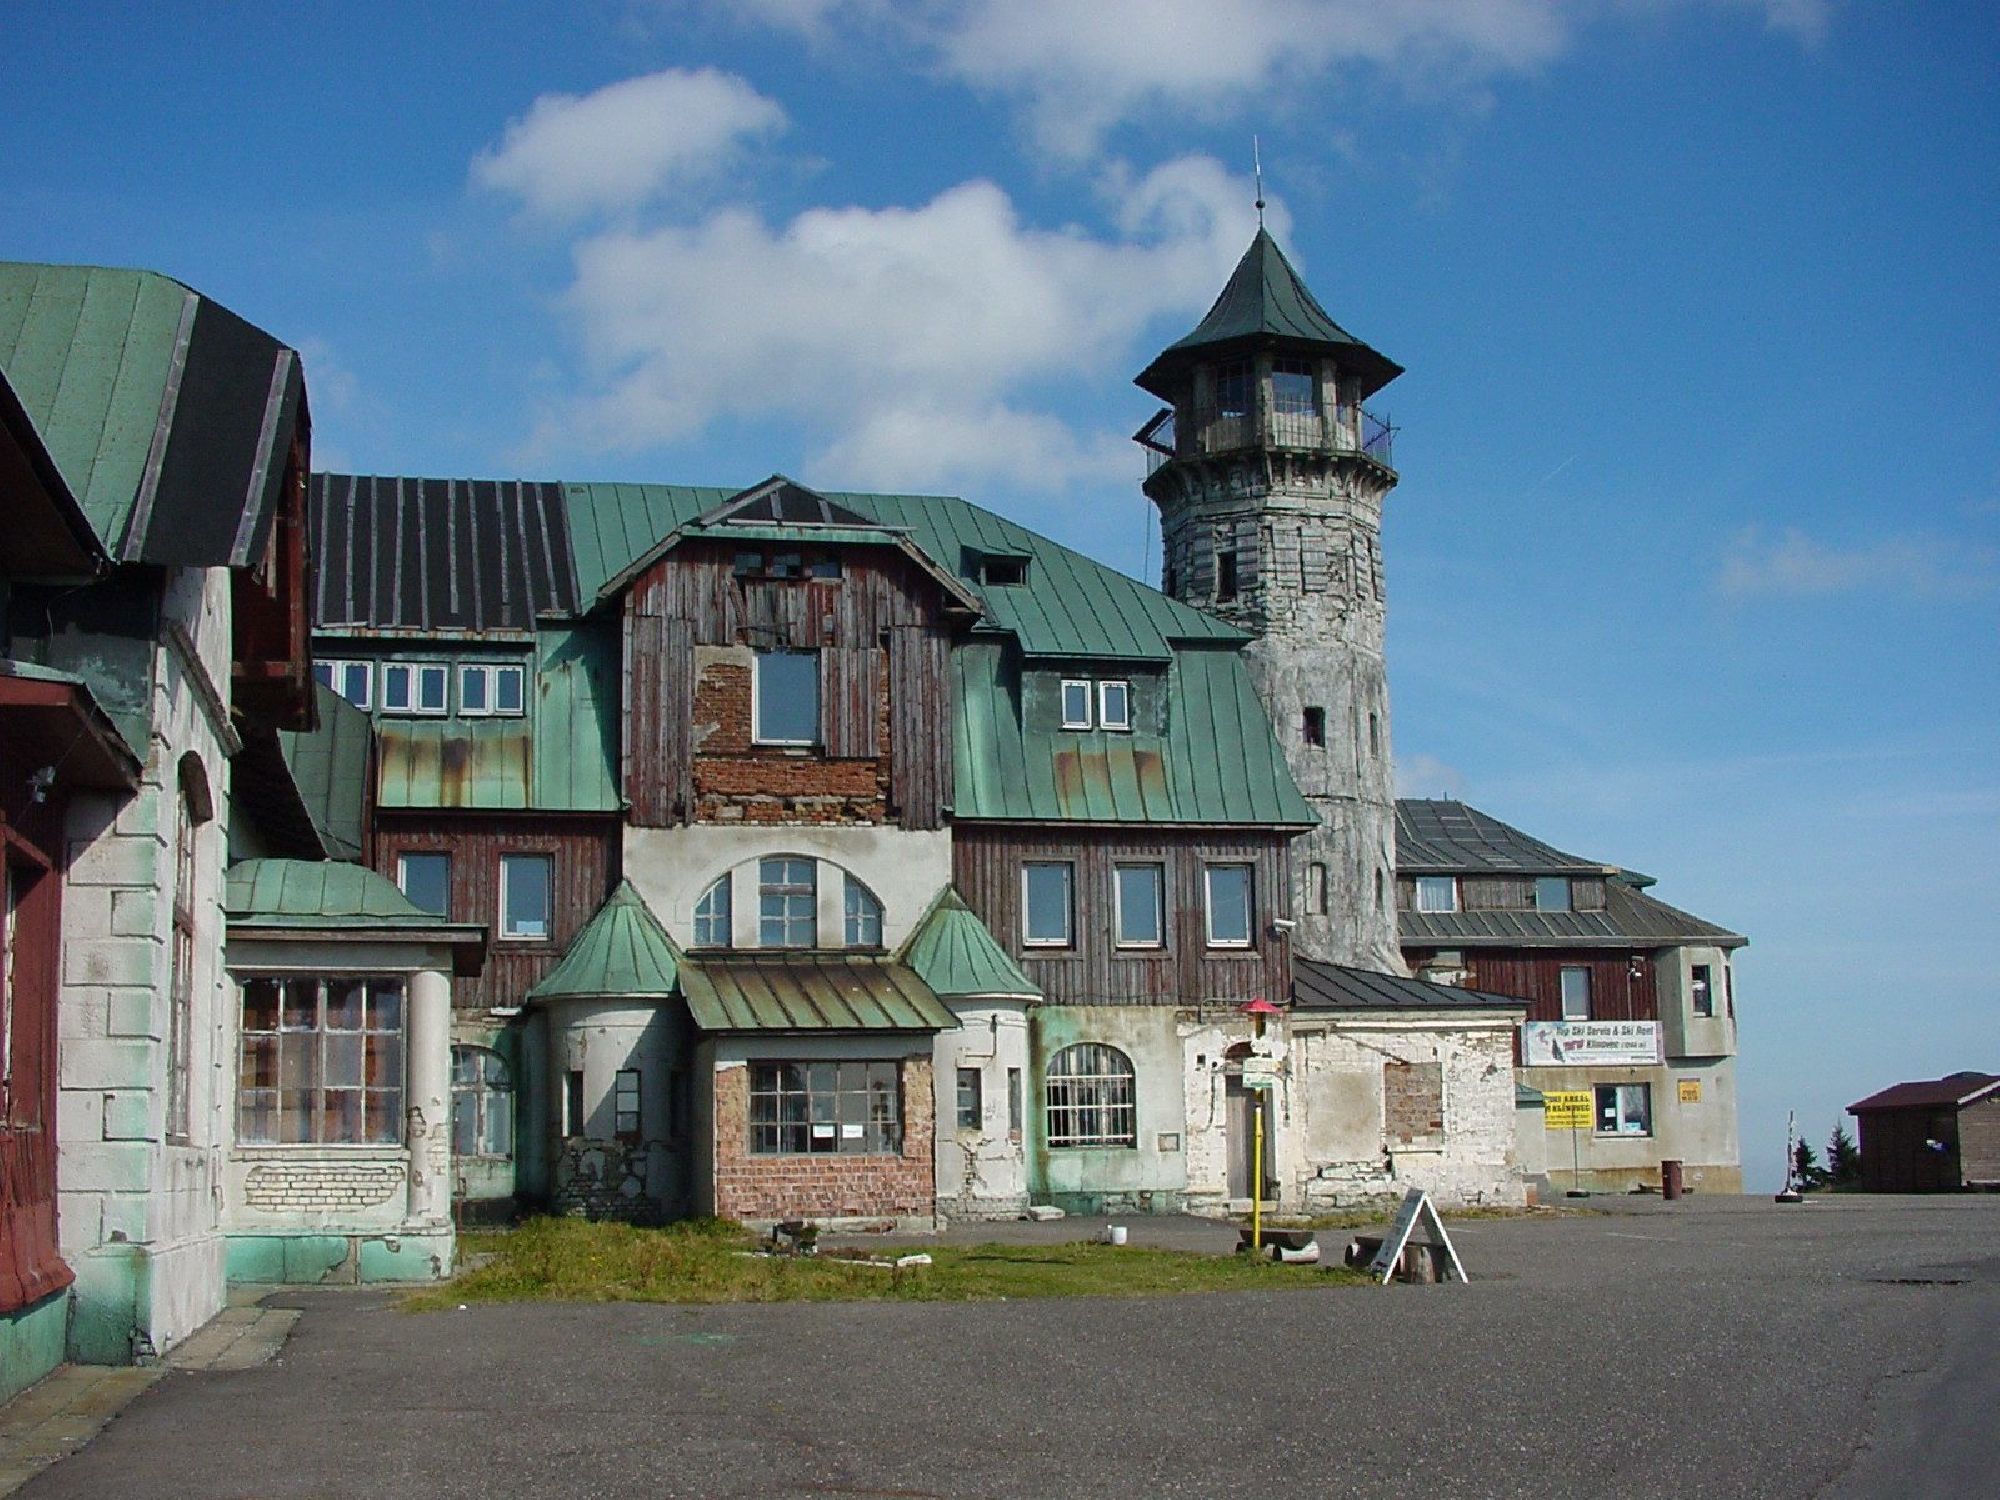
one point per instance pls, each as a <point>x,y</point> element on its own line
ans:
<point>1713,1347</point>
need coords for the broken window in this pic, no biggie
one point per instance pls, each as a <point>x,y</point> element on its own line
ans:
<point>799,1108</point>
<point>322,1061</point>
<point>1092,1097</point>
<point>482,1104</point>
<point>971,1107</point>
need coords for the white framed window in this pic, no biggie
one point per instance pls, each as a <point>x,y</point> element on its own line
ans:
<point>415,687</point>
<point>971,1103</point>
<point>1552,893</point>
<point>1114,705</point>
<point>487,689</point>
<point>850,1108</point>
<point>787,903</point>
<point>353,680</point>
<point>1230,915</point>
<point>1076,703</point>
<point>424,876</point>
<point>1046,904</point>
<point>1092,1097</point>
<point>863,915</point>
<point>785,703</point>
<point>482,1105</point>
<point>322,1061</point>
<point>1576,992</point>
<point>713,916</point>
<point>527,884</point>
<point>1140,896</point>
<point>1437,893</point>
<point>1624,1109</point>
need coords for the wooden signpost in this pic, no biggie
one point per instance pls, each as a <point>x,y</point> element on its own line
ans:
<point>1416,1207</point>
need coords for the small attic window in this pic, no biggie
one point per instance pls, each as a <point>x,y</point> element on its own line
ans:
<point>1004,570</point>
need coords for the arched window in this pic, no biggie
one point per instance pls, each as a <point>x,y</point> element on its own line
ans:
<point>712,916</point>
<point>1091,1097</point>
<point>864,916</point>
<point>482,1104</point>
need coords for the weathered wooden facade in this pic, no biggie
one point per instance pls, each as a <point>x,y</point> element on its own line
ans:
<point>1938,1135</point>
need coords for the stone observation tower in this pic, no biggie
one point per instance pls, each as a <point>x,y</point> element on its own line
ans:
<point>1270,477</point>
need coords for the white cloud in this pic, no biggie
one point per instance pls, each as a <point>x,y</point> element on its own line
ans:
<point>627,144</point>
<point>1794,565</point>
<point>908,343</point>
<point>1422,775</point>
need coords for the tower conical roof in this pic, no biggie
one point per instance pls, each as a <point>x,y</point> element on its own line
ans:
<point>1266,305</point>
<point>622,952</point>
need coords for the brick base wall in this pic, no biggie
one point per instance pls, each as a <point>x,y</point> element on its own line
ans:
<point>756,1188</point>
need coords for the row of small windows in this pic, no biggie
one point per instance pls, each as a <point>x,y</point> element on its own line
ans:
<point>788,908</point>
<point>527,890</point>
<point>1439,893</point>
<point>1096,705</point>
<point>485,689</point>
<point>1139,901</point>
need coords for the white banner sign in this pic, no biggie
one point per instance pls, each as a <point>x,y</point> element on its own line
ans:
<point>1577,1044</point>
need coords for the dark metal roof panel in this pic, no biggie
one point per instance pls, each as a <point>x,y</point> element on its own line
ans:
<point>1322,986</point>
<point>1450,836</point>
<point>1630,919</point>
<point>1953,1089</point>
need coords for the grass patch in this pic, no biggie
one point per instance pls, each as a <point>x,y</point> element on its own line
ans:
<point>571,1260</point>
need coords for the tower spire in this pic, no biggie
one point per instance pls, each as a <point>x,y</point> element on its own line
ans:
<point>1257,167</point>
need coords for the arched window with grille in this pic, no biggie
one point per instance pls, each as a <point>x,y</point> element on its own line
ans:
<point>482,1104</point>
<point>864,916</point>
<point>713,917</point>
<point>1092,1097</point>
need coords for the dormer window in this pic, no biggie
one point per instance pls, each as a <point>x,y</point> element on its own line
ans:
<point>1003,570</point>
<point>1114,705</point>
<point>485,690</point>
<point>1552,893</point>
<point>353,680</point>
<point>1076,703</point>
<point>1437,893</point>
<point>415,687</point>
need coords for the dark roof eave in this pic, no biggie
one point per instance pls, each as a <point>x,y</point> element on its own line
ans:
<point>1617,940</point>
<point>466,939</point>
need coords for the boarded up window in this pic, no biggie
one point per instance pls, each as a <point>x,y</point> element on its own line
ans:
<point>1412,1100</point>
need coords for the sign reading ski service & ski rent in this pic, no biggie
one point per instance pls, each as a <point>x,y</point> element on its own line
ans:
<point>1580,1044</point>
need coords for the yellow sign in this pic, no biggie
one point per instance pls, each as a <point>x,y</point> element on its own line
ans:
<point>1690,1090</point>
<point>1566,1109</point>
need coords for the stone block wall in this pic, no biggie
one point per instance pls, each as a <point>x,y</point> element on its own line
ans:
<point>834,1186</point>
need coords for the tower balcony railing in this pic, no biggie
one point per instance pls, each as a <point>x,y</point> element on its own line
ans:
<point>1352,430</point>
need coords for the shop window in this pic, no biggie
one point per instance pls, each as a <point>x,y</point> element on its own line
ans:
<point>415,687</point>
<point>786,708</point>
<point>1229,906</point>
<point>971,1108</point>
<point>1140,898</point>
<point>1552,893</point>
<point>1114,705</point>
<point>1437,893</point>
<point>625,1112</point>
<point>863,914</point>
<point>1701,989</point>
<point>482,1105</point>
<point>1046,905</point>
<point>1575,993</point>
<point>322,1061</point>
<point>799,1108</point>
<point>425,878</point>
<point>486,690</point>
<point>1092,1097</point>
<point>1075,704</point>
<point>525,896</point>
<point>713,916</point>
<point>787,903</point>
<point>1624,1109</point>
<point>353,680</point>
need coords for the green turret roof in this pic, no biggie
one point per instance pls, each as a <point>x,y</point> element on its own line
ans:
<point>1265,305</point>
<point>622,951</point>
<point>955,955</point>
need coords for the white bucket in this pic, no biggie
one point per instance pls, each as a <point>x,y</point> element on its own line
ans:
<point>1114,1234</point>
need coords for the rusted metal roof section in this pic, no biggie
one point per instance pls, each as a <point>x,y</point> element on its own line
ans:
<point>622,953</point>
<point>954,953</point>
<point>485,763</point>
<point>1322,986</point>
<point>475,555</point>
<point>806,992</point>
<point>1450,836</point>
<point>170,417</point>
<point>1951,1091</point>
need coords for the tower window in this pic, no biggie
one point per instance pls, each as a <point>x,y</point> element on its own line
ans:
<point>1292,389</point>
<point>1168,579</point>
<point>1375,735</point>
<point>1225,577</point>
<point>1315,727</point>
<point>1233,390</point>
<point>1316,888</point>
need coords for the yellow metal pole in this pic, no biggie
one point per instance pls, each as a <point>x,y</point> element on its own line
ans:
<point>1257,1181</point>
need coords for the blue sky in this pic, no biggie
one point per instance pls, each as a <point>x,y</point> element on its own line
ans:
<point>1695,565</point>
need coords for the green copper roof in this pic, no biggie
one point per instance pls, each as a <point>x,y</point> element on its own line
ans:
<point>952,952</point>
<point>1209,757</point>
<point>622,951</point>
<point>809,992</point>
<point>315,893</point>
<point>329,766</point>
<point>1264,303</point>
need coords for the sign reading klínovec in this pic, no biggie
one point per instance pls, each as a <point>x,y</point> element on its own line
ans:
<point>1579,1044</point>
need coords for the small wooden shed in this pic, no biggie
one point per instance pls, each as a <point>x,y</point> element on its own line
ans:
<point>1936,1135</point>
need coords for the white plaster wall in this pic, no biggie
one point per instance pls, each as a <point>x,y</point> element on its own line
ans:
<point>1683,1034</point>
<point>672,867</point>
<point>1700,1134</point>
<point>599,1038</point>
<point>982,1173</point>
<point>1205,1041</point>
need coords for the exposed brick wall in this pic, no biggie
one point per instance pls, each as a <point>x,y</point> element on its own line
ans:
<point>823,1187</point>
<point>737,780</point>
<point>1412,1100</point>
<point>320,1186</point>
